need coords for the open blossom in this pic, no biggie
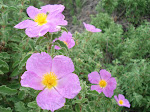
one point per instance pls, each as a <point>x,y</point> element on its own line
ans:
<point>54,77</point>
<point>44,20</point>
<point>67,39</point>
<point>103,82</point>
<point>91,28</point>
<point>122,101</point>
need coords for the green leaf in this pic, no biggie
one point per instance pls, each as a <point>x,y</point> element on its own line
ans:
<point>19,106</point>
<point>23,61</point>
<point>33,104</point>
<point>21,95</point>
<point>1,72</point>
<point>7,91</point>
<point>5,109</point>
<point>83,100</point>
<point>15,72</point>
<point>4,65</point>
<point>60,44</point>
<point>64,29</point>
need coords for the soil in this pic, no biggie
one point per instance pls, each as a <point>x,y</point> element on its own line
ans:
<point>88,9</point>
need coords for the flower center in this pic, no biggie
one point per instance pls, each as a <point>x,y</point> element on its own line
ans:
<point>120,102</point>
<point>65,43</point>
<point>102,83</point>
<point>49,80</point>
<point>41,19</point>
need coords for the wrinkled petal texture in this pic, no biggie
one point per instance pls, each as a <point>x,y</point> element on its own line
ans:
<point>108,92</point>
<point>25,24</point>
<point>37,31</point>
<point>30,79</point>
<point>91,28</point>
<point>50,100</point>
<point>69,86</point>
<point>94,77</point>
<point>32,11</point>
<point>97,88</point>
<point>39,63</point>
<point>53,8</point>
<point>62,66</point>
<point>105,75</point>
<point>116,98</point>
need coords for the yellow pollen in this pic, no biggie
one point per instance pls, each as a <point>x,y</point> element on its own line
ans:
<point>65,43</point>
<point>102,83</point>
<point>120,102</point>
<point>49,80</point>
<point>41,19</point>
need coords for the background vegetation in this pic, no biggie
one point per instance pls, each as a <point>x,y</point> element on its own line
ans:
<point>123,49</point>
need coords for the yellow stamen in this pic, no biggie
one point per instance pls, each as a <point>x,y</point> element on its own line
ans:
<point>120,102</point>
<point>102,83</point>
<point>65,43</point>
<point>49,80</point>
<point>41,19</point>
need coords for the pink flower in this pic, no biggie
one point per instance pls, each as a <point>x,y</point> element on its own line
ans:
<point>91,28</point>
<point>67,39</point>
<point>122,101</point>
<point>103,82</point>
<point>43,20</point>
<point>54,77</point>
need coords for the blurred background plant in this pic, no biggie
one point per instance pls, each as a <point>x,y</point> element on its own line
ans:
<point>123,49</point>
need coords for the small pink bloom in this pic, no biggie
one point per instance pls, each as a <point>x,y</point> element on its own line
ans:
<point>43,20</point>
<point>67,39</point>
<point>54,77</point>
<point>122,101</point>
<point>91,28</point>
<point>103,82</point>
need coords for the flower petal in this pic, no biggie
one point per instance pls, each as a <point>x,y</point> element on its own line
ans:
<point>25,24</point>
<point>39,63</point>
<point>121,97</point>
<point>94,77</point>
<point>69,86</point>
<point>53,8</point>
<point>32,11</point>
<point>108,92</point>
<point>50,100</point>
<point>97,88</point>
<point>62,66</point>
<point>71,43</point>
<point>37,31</point>
<point>105,75</point>
<point>30,79</point>
<point>116,98</point>
<point>112,83</point>
<point>126,103</point>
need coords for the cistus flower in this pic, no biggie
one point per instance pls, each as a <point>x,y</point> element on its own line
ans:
<point>44,20</point>
<point>91,28</point>
<point>67,39</point>
<point>122,101</point>
<point>54,77</point>
<point>103,82</point>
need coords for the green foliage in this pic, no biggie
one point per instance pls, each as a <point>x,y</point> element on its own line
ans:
<point>134,11</point>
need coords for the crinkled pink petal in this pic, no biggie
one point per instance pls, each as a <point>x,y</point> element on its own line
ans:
<point>57,47</point>
<point>97,88</point>
<point>37,31</point>
<point>25,24</point>
<point>71,44</point>
<point>121,97</point>
<point>53,8</point>
<point>91,28</point>
<point>39,63</point>
<point>32,80</point>
<point>126,103</point>
<point>50,99</point>
<point>62,66</point>
<point>105,75</point>
<point>116,98</point>
<point>32,12</point>
<point>69,86</point>
<point>112,83</point>
<point>94,77</point>
<point>108,92</point>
